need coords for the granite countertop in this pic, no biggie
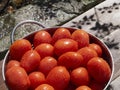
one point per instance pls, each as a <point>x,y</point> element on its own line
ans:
<point>103,22</point>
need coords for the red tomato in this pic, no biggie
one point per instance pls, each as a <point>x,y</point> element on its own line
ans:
<point>70,60</point>
<point>44,87</point>
<point>61,33</point>
<point>83,88</point>
<point>47,64</point>
<point>99,69</point>
<point>12,63</point>
<point>45,49</point>
<point>65,45</point>
<point>41,37</point>
<point>58,77</point>
<point>80,76</point>
<point>36,78</point>
<point>18,48</point>
<point>30,61</point>
<point>97,48</point>
<point>87,54</point>
<point>81,37</point>
<point>17,78</point>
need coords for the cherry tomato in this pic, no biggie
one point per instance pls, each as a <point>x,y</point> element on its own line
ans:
<point>58,77</point>
<point>81,37</point>
<point>36,78</point>
<point>80,76</point>
<point>44,87</point>
<point>12,63</point>
<point>64,45</point>
<point>18,48</point>
<point>47,64</point>
<point>70,60</point>
<point>17,78</point>
<point>87,54</point>
<point>45,49</point>
<point>97,48</point>
<point>99,69</point>
<point>83,88</point>
<point>30,61</point>
<point>61,33</point>
<point>41,37</point>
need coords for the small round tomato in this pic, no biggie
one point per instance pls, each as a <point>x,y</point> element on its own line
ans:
<point>18,48</point>
<point>80,76</point>
<point>47,64</point>
<point>61,33</point>
<point>12,63</point>
<point>81,37</point>
<point>45,49</point>
<point>41,37</point>
<point>87,54</point>
<point>97,48</point>
<point>30,61</point>
<point>44,87</point>
<point>58,77</point>
<point>36,78</point>
<point>70,60</point>
<point>83,88</point>
<point>17,78</point>
<point>64,45</point>
<point>99,69</point>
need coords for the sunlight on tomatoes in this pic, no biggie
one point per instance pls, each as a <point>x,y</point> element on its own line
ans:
<point>87,54</point>
<point>41,37</point>
<point>70,60</point>
<point>64,45</point>
<point>81,37</point>
<point>44,87</point>
<point>18,48</point>
<point>83,88</point>
<point>61,33</point>
<point>97,48</point>
<point>45,49</point>
<point>47,64</point>
<point>80,76</point>
<point>99,69</point>
<point>58,77</point>
<point>17,78</point>
<point>36,78</point>
<point>30,61</point>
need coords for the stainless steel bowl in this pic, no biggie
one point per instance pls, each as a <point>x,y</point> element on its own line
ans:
<point>106,52</point>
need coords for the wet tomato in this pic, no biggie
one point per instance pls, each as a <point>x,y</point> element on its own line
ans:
<point>44,87</point>
<point>83,88</point>
<point>99,69</point>
<point>64,45</point>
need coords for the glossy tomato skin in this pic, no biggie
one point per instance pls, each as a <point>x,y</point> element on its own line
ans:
<point>12,63</point>
<point>87,54</point>
<point>83,88</point>
<point>60,33</point>
<point>80,76</point>
<point>47,64</point>
<point>30,61</point>
<point>58,77</point>
<point>97,48</point>
<point>65,45</point>
<point>17,78</point>
<point>18,48</point>
<point>44,87</point>
<point>81,37</point>
<point>36,78</point>
<point>99,69</point>
<point>70,60</point>
<point>45,50</point>
<point>41,37</point>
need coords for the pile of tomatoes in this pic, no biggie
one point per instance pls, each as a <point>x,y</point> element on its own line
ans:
<point>61,60</point>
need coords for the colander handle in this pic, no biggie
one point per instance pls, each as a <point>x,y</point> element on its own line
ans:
<point>21,23</point>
